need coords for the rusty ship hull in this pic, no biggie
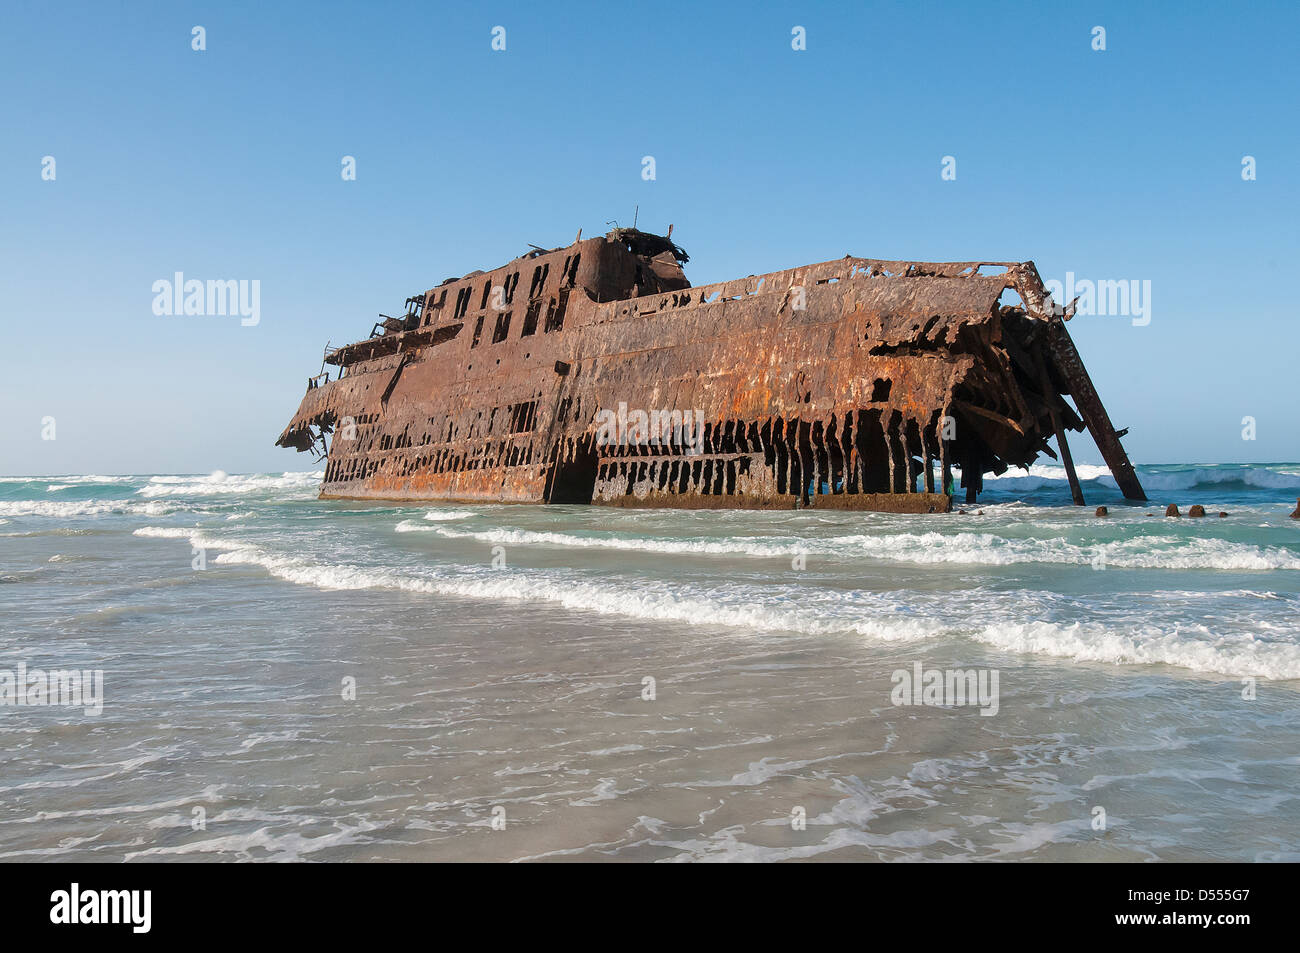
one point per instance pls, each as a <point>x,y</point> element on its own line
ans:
<point>853,384</point>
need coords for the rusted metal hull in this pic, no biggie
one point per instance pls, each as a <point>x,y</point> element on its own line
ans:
<point>850,384</point>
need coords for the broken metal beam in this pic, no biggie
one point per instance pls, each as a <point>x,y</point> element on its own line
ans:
<point>1079,386</point>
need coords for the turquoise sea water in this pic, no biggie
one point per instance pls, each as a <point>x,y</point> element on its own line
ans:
<point>503,659</point>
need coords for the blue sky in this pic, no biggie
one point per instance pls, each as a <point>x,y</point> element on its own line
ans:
<point>1123,164</point>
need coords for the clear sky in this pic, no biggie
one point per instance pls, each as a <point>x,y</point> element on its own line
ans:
<point>225,163</point>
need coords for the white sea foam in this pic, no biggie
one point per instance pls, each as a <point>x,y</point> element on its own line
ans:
<point>97,478</point>
<point>1215,476</point>
<point>65,508</point>
<point>265,841</point>
<point>1040,475</point>
<point>1189,646</point>
<point>738,608</point>
<point>442,516</point>
<point>740,546</point>
<point>1275,477</point>
<point>69,478</point>
<point>1134,552</point>
<point>166,532</point>
<point>980,549</point>
<point>220,483</point>
<point>433,516</point>
<point>877,617</point>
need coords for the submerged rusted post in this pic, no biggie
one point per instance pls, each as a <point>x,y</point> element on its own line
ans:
<point>1067,460</point>
<point>945,465</point>
<point>971,475</point>
<point>1076,491</point>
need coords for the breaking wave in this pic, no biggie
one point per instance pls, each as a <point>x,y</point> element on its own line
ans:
<point>65,508</point>
<point>1275,477</point>
<point>220,483</point>
<point>978,549</point>
<point>1191,647</point>
<point>875,616</point>
<point>166,532</point>
<point>69,479</point>
<point>740,608</point>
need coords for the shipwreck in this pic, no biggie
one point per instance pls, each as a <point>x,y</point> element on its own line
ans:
<point>595,373</point>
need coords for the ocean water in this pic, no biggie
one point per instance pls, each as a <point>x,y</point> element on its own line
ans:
<point>291,679</point>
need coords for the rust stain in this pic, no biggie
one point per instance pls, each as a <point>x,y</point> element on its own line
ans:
<point>845,384</point>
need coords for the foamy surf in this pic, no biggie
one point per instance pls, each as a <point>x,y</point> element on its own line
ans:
<point>443,516</point>
<point>976,549</point>
<point>1190,647</point>
<point>166,532</point>
<point>220,483</point>
<point>782,609</point>
<point>62,509</point>
<point>736,609</point>
<point>432,516</point>
<point>1154,479</point>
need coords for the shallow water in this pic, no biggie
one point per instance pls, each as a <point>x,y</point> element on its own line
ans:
<point>500,655</point>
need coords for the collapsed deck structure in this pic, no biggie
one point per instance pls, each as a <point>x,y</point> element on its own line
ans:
<point>595,373</point>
